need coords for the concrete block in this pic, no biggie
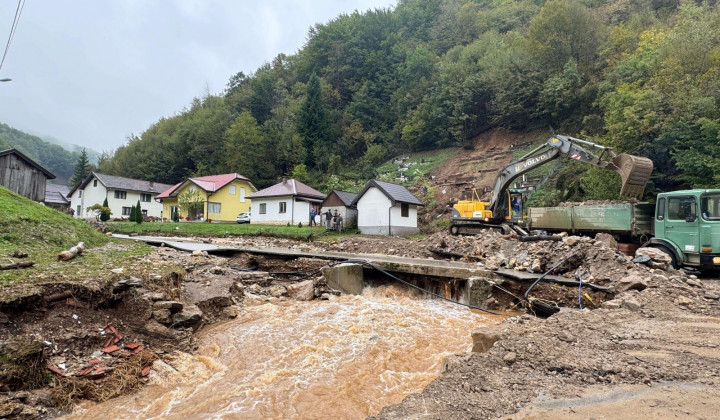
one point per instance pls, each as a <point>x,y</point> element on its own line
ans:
<point>348,278</point>
<point>476,291</point>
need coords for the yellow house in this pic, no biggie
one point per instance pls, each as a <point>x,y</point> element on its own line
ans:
<point>216,198</point>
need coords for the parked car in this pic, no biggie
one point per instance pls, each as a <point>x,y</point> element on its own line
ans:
<point>243,218</point>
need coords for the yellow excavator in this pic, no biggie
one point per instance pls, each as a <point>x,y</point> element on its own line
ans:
<point>471,216</point>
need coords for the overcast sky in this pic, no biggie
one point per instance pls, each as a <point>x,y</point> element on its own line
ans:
<point>92,72</point>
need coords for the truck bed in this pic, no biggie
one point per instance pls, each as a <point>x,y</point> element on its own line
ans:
<point>627,218</point>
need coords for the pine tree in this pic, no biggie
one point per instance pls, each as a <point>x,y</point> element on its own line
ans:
<point>105,215</point>
<point>132,214</point>
<point>138,213</point>
<point>314,124</point>
<point>82,169</point>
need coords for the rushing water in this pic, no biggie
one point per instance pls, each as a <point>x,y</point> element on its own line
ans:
<point>340,359</point>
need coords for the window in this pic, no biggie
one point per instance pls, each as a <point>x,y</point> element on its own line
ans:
<point>80,195</point>
<point>680,207</point>
<point>231,189</point>
<point>126,211</point>
<point>78,210</point>
<point>145,198</point>
<point>120,195</point>
<point>661,209</point>
<point>263,207</point>
<point>710,206</point>
<point>213,207</point>
<point>404,210</point>
<point>144,212</point>
<point>94,183</point>
<point>242,194</point>
<point>283,207</point>
<point>192,188</point>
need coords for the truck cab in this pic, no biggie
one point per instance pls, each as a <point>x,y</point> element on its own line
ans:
<point>687,227</point>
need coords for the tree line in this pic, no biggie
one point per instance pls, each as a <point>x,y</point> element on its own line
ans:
<point>642,76</point>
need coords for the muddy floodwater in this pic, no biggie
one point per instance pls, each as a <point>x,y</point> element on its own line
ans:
<point>345,358</point>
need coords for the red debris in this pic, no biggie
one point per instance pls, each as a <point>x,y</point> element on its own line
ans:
<point>146,371</point>
<point>108,342</point>
<point>56,370</point>
<point>94,361</point>
<point>118,337</point>
<point>110,349</point>
<point>132,345</point>
<point>137,350</point>
<point>84,371</point>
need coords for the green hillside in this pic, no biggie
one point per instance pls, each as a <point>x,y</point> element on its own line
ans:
<point>50,156</point>
<point>640,76</point>
<point>42,233</point>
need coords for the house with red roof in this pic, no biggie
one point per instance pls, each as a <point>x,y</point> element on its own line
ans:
<point>216,198</point>
<point>289,201</point>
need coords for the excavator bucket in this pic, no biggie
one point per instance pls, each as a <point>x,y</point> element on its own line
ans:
<point>635,173</point>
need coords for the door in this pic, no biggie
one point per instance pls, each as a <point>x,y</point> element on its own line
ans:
<point>681,224</point>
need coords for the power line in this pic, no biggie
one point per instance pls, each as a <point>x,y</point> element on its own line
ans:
<point>18,12</point>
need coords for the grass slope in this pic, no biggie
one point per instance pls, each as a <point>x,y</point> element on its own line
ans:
<point>42,233</point>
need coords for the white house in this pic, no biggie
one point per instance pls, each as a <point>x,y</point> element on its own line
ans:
<point>121,193</point>
<point>386,209</point>
<point>289,201</point>
<point>342,202</point>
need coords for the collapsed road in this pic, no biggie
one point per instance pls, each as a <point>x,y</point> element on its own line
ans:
<point>657,329</point>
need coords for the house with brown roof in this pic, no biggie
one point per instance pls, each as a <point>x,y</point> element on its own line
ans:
<point>341,201</point>
<point>122,193</point>
<point>217,198</point>
<point>289,201</point>
<point>385,208</point>
<point>22,175</point>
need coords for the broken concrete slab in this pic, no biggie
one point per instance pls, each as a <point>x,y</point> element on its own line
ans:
<point>347,278</point>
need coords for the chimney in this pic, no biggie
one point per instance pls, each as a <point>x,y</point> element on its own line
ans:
<point>284,180</point>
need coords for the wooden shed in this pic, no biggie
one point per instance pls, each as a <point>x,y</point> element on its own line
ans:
<point>22,175</point>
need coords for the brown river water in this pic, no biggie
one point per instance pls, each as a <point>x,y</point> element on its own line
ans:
<point>345,358</point>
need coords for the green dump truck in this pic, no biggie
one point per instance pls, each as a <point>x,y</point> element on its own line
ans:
<point>684,224</point>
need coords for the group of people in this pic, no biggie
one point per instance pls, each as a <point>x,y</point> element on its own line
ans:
<point>333,221</point>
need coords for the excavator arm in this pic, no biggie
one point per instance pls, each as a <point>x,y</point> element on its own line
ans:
<point>634,170</point>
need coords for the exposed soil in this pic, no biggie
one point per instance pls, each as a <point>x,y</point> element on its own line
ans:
<point>647,346</point>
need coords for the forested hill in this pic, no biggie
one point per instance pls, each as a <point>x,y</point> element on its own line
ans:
<point>642,76</point>
<point>52,157</point>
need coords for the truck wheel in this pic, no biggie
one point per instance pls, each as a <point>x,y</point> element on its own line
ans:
<point>673,260</point>
<point>454,230</point>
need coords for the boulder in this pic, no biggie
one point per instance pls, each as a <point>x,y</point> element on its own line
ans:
<point>170,305</point>
<point>190,316</point>
<point>158,330</point>
<point>659,258</point>
<point>484,340</point>
<point>631,282</point>
<point>607,240</point>
<point>712,296</point>
<point>305,290</point>
<point>683,301</point>
<point>631,304</point>
<point>572,240</point>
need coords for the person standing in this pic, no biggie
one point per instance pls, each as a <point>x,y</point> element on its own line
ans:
<point>328,218</point>
<point>338,222</point>
<point>313,212</point>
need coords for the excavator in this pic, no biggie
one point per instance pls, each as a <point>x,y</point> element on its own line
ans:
<point>474,215</point>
